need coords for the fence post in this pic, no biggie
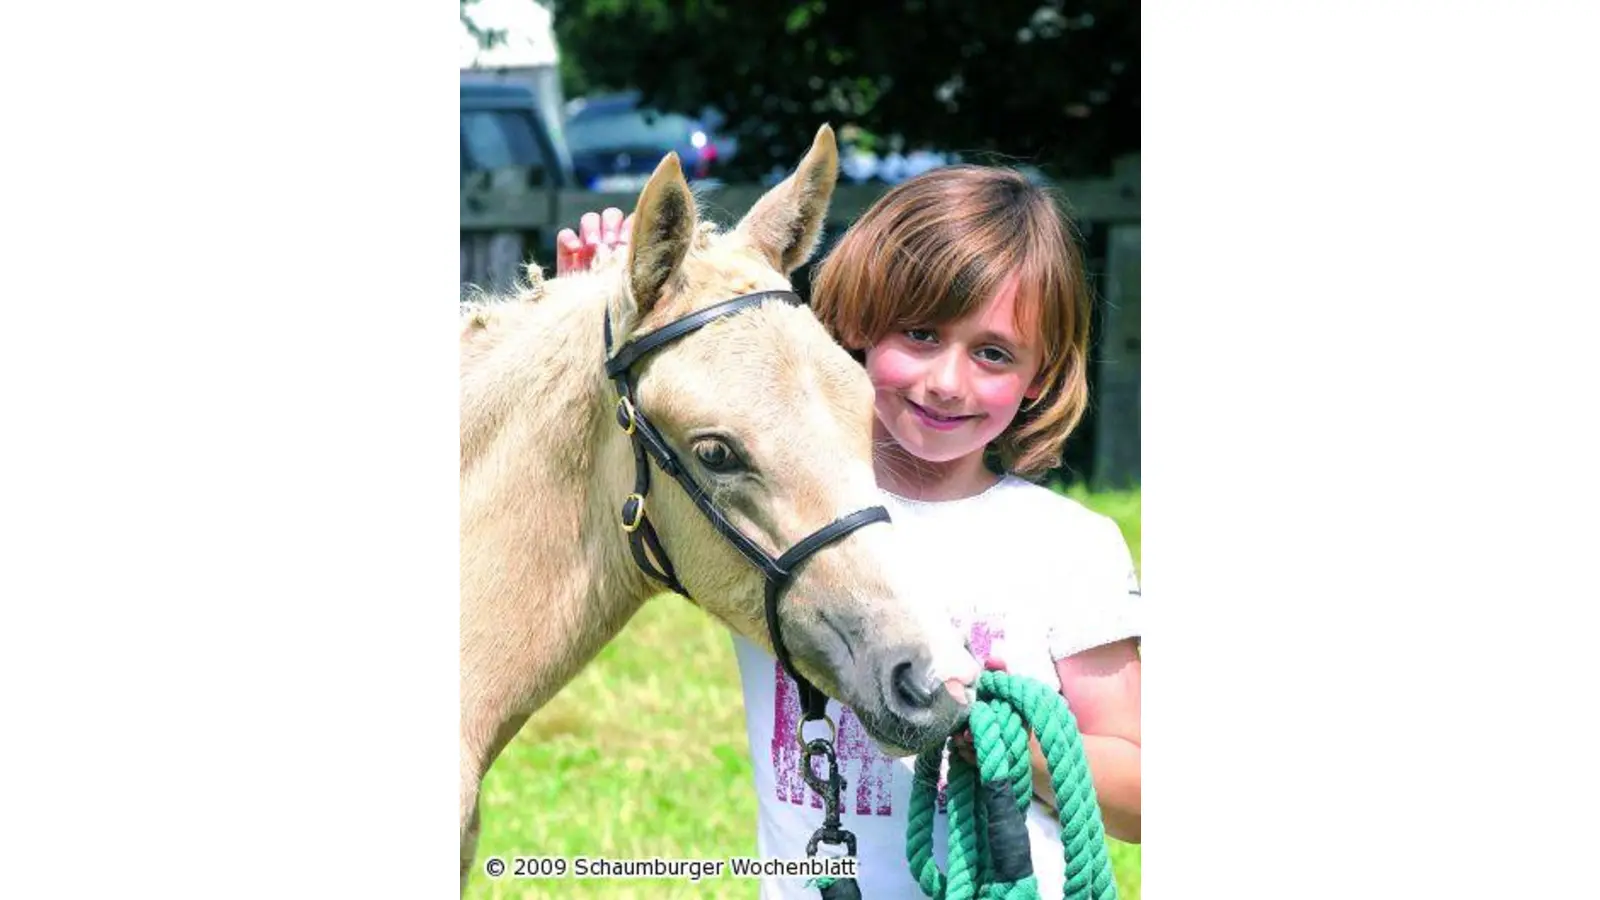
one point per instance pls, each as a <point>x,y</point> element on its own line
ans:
<point>1116,451</point>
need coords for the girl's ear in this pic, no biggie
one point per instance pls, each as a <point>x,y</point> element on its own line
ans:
<point>1035,389</point>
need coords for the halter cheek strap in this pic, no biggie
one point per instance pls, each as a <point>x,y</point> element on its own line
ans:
<point>648,444</point>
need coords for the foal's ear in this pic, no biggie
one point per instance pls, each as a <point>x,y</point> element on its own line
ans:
<point>786,222</point>
<point>663,227</point>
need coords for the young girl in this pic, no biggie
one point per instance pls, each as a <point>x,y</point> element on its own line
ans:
<point>962,294</point>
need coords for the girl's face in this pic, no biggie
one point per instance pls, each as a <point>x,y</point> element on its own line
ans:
<point>944,392</point>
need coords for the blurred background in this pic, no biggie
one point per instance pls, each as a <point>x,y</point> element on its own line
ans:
<point>568,105</point>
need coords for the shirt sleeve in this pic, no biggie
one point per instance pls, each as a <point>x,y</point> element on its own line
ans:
<point>1104,606</point>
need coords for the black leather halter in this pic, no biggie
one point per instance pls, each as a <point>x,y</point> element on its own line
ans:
<point>648,443</point>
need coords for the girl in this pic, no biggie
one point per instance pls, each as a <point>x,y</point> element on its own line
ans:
<point>962,294</point>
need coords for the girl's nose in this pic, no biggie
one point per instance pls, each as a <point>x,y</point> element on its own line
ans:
<point>946,377</point>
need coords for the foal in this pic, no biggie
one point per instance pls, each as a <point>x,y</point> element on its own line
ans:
<point>773,418</point>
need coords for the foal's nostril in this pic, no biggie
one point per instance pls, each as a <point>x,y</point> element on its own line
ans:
<point>914,692</point>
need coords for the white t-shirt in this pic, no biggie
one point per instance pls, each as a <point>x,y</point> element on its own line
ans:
<point>1041,578</point>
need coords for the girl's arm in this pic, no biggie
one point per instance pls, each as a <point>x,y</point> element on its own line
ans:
<point>1101,683</point>
<point>1102,687</point>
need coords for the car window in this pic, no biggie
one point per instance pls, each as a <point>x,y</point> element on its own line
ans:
<point>499,139</point>
<point>631,128</point>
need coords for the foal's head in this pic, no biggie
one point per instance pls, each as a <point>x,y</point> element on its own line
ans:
<point>774,421</point>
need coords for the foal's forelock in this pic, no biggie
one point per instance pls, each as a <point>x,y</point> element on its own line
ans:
<point>719,265</point>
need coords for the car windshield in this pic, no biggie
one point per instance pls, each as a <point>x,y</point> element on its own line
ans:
<point>497,139</point>
<point>628,128</point>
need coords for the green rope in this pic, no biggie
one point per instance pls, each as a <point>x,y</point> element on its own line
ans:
<point>1007,706</point>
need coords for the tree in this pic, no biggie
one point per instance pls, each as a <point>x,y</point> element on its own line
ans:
<point>1053,84</point>
<point>486,37</point>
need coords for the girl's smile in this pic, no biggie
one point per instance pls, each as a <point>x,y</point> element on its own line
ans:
<point>930,419</point>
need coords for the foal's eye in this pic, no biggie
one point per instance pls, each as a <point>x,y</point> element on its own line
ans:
<point>717,456</point>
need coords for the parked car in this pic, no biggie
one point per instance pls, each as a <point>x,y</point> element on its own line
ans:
<point>503,127</point>
<point>616,143</point>
<point>513,159</point>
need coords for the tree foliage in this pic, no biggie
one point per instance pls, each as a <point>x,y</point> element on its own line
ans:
<point>1053,84</point>
<point>486,37</point>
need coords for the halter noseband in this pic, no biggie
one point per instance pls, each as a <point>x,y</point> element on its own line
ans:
<point>648,443</point>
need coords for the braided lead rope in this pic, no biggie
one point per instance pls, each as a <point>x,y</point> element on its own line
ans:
<point>988,849</point>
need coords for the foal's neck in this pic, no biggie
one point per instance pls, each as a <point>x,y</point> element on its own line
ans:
<point>539,448</point>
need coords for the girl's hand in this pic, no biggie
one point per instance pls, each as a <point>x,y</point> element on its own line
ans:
<point>962,740</point>
<point>598,236</point>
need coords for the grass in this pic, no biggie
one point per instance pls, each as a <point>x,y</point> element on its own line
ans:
<point>644,755</point>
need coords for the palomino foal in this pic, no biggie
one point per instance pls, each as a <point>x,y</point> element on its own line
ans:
<point>773,418</point>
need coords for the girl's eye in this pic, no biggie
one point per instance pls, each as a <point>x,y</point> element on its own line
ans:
<point>921,335</point>
<point>994,355</point>
<point>717,456</point>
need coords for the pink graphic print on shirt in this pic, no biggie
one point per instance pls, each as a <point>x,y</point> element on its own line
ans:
<point>865,769</point>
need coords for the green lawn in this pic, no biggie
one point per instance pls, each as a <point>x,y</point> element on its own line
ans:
<point>643,755</point>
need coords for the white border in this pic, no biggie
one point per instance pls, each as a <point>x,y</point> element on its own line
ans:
<point>1367,249</point>
<point>228,594</point>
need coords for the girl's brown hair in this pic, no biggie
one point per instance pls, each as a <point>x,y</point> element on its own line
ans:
<point>934,249</point>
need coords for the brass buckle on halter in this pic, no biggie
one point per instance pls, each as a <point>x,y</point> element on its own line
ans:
<point>625,418</point>
<point>631,527</point>
<point>800,733</point>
